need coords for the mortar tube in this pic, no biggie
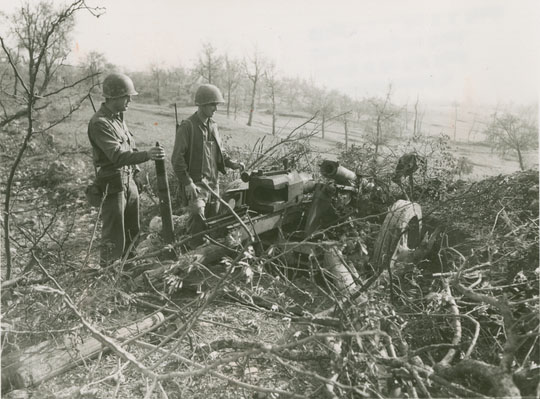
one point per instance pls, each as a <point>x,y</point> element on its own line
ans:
<point>164,201</point>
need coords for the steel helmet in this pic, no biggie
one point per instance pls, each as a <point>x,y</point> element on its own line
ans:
<point>118,85</point>
<point>208,94</point>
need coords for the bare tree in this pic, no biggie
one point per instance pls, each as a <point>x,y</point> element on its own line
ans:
<point>232,79</point>
<point>179,83</point>
<point>513,133</point>
<point>254,68</point>
<point>158,78</point>
<point>418,118</point>
<point>292,92</point>
<point>323,104</point>
<point>345,105</point>
<point>272,85</point>
<point>404,127</point>
<point>95,64</point>
<point>384,114</point>
<point>209,63</point>
<point>42,33</point>
<point>326,107</point>
<point>471,129</point>
<point>346,128</point>
<point>455,104</point>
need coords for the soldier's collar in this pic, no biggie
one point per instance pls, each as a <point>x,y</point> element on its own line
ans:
<point>109,113</point>
<point>204,122</point>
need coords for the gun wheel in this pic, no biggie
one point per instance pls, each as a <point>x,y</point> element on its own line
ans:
<point>399,234</point>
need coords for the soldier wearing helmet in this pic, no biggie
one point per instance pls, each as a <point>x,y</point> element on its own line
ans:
<point>115,158</point>
<point>198,156</point>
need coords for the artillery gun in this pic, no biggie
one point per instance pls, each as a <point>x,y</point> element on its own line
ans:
<point>292,214</point>
<point>304,209</point>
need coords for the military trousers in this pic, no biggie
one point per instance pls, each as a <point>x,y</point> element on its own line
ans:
<point>200,208</point>
<point>120,220</point>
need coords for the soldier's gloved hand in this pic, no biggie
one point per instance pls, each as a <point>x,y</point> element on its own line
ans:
<point>191,191</point>
<point>156,153</point>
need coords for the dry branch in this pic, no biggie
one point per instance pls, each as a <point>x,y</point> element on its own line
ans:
<point>291,354</point>
<point>206,255</point>
<point>51,358</point>
<point>201,369</point>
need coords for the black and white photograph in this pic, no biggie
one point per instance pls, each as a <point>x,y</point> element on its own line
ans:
<point>254,199</point>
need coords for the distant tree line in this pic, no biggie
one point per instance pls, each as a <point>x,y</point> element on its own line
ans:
<point>251,85</point>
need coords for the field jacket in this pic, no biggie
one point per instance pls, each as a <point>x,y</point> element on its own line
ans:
<point>187,156</point>
<point>113,145</point>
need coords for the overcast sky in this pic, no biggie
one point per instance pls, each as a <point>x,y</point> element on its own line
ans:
<point>480,51</point>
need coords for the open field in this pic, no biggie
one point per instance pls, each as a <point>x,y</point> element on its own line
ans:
<point>151,123</point>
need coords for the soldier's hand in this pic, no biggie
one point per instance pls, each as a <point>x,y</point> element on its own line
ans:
<point>238,166</point>
<point>156,153</point>
<point>191,191</point>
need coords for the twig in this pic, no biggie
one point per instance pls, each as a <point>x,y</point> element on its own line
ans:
<point>21,280</point>
<point>163,392</point>
<point>496,220</point>
<point>329,381</point>
<point>150,390</point>
<point>190,323</point>
<point>105,340</point>
<point>473,340</point>
<point>231,210</point>
<point>447,359</point>
<point>203,370</point>
<point>227,343</point>
<point>512,340</point>
<point>427,372</point>
<point>94,230</point>
<point>126,255</point>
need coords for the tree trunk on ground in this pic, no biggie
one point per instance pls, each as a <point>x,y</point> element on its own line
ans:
<point>343,275</point>
<point>48,359</point>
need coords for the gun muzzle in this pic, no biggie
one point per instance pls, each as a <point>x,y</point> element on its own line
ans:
<point>340,174</point>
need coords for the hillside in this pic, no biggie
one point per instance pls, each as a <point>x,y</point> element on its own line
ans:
<point>266,321</point>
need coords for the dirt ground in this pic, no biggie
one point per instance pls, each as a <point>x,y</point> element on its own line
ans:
<point>495,217</point>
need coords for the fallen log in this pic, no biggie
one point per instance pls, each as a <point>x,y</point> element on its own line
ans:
<point>21,280</point>
<point>49,359</point>
<point>344,276</point>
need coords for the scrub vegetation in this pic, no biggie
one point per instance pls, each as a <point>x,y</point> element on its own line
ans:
<point>265,319</point>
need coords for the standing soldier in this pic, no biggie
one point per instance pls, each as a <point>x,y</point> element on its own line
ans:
<point>115,157</point>
<point>198,156</point>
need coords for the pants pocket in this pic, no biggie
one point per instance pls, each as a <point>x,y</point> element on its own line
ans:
<point>111,184</point>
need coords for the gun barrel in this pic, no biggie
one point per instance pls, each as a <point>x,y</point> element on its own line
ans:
<point>341,175</point>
